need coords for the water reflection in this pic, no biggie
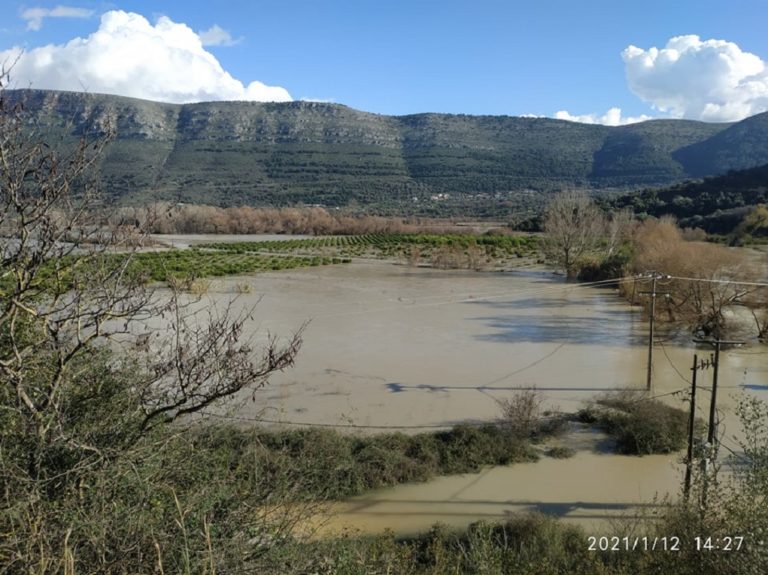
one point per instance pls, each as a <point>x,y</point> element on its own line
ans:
<point>412,349</point>
<point>590,489</point>
<point>587,329</point>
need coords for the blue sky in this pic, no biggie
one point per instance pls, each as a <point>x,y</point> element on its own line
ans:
<point>536,57</point>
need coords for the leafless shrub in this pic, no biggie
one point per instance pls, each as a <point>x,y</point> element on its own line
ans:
<point>521,413</point>
<point>708,281</point>
<point>79,419</point>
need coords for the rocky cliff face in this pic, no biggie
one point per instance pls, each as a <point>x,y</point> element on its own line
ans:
<point>265,153</point>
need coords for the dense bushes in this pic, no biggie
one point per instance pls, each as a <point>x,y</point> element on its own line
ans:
<point>166,218</point>
<point>522,545</point>
<point>640,426</point>
<point>615,266</point>
<point>330,464</point>
<point>716,204</point>
<point>215,495</point>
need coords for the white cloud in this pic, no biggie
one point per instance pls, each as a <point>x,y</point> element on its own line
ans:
<point>217,36</point>
<point>129,56</point>
<point>612,117</point>
<point>711,80</point>
<point>319,100</point>
<point>35,16</point>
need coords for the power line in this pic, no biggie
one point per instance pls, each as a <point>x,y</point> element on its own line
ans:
<point>388,427</point>
<point>675,392</point>
<point>679,374</point>
<point>734,453</point>
<point>691,428</point>
<point>333,425</point>
<point>655,277</point>
<point>471,298</point>
<point>714,281</point>
<point>529,366</point>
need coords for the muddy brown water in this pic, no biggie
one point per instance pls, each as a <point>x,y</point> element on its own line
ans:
<point>390,347</point>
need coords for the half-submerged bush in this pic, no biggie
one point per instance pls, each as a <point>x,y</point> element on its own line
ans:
<point>326,464</point>
<point>522,417</point>
<point>640,426</point>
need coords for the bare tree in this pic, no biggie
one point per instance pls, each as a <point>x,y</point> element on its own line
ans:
<point>617,230</point>
<point>71,398</point>
<point>709,284</point>
<point>573,225</point>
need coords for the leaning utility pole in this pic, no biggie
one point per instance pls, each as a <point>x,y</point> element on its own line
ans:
<point>712,431</point>
<point>691,422</point>
<point>711,434</point>
<point>654,276</point>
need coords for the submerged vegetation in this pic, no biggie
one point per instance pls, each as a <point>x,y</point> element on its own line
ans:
<point>109,463</point>
<point>640,426</point>
<point>162,265</point>
<point>438,250</point>
<point>710,290</point>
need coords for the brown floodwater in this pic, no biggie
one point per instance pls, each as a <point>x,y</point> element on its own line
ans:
<point>597,491</point>
<point>391,347</point>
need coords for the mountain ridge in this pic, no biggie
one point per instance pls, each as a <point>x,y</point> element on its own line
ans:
<point>232,153</point>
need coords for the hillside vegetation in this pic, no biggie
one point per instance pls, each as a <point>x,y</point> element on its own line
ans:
<point>236,153</point>
<point>716,204</point>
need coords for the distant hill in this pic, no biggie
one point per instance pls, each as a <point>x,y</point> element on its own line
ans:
<point>232,153</point>
<point>716,204</point>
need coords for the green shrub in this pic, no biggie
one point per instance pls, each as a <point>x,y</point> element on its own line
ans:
<point>591,270</point>
<point>641,426</point>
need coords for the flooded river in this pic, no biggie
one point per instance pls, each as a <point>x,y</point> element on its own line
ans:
<point>394,347</point>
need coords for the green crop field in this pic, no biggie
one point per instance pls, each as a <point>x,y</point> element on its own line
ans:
<point>183,263</point>
<point>172,266</point>
<point>385,246</point>
<point>218,259</point>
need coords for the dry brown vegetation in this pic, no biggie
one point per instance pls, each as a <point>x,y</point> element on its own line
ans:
<point>201,219</point>
<point>710,283</point>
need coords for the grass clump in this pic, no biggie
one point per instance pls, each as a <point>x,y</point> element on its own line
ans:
<point>524,545</point>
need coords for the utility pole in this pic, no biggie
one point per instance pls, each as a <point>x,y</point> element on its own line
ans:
<point>711,434</point>
<point>691,421</point>
<point>712,431</point>
<point>654,276</point>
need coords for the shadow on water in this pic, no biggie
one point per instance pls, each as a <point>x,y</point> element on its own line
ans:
<point>535,303</point>
<point>504,508</point>
<point>401,387</point>
<point>754,387</point>
<point>539,275</point>
<point>595,329</point>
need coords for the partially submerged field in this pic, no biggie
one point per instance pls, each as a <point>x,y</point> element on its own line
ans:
<point>407,406</point>
<point>415,349</point>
